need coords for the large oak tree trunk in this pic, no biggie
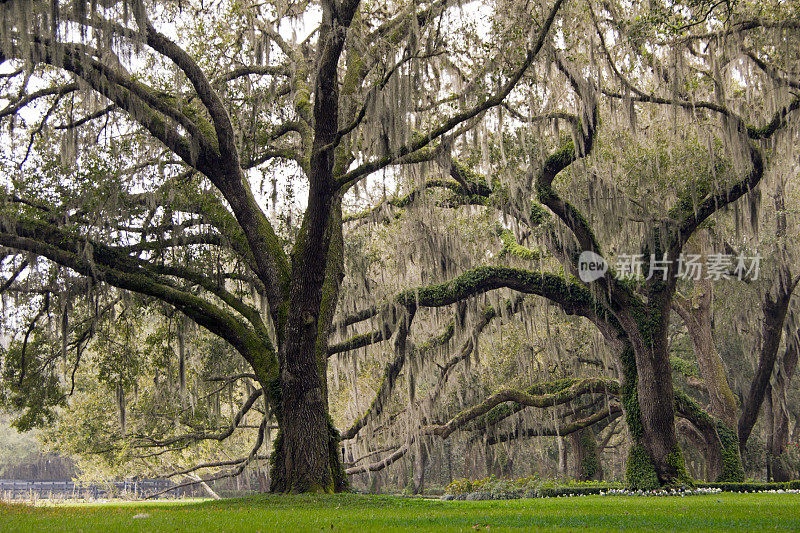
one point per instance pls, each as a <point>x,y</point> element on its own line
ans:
<point>656,404</point>
<point>586,465</point>
<point>696,313</point>
<point>777,415</point>
<point>656,407</point>
<point>655,458</point>
<point>309,451</point>
<point>774,310</point>
<point>306,456</point>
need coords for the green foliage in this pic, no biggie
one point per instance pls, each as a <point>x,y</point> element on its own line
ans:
<point>538,215</point>
<point>640,474</point>
<point>732,469</point>
<point>30,387</point>
<point>675,460</point>
<point>684,367</point>
<point>672,171</point>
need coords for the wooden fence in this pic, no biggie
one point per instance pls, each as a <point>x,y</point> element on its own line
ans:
<point>23,489</point>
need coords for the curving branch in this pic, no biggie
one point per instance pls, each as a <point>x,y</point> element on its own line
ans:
<point>242,464</point>
<point>149,442</point>
<point>360,341</point>
<point>612,410</point>
<point>584,386</point>
<point>250,70</point>
<point>14,106</point>
<point>98,261</point>
<point>383,463</point>
<point>573,297</point>
<point>496,99</point>
<point>225,134</point>
<point>585,132</point>
<point>209,148</point>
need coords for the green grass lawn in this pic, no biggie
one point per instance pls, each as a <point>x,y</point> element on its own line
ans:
<point>287,514</point>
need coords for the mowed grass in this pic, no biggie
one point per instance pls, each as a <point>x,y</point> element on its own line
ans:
<point>349,512</point>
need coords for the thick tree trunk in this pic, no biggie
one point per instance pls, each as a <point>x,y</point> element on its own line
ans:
<point>308,452</point>
<point>774,310</point>
<point>778,416</point>
<point>655,395</point>
<point>696,314</point>
<point>586,465</point>
<point>655,460</point>
<point>778,422</point>
<point>306,455</point>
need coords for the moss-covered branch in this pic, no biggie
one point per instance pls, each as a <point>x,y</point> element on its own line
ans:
<point>512,247</point>
<point>359,341</point>
<point>613,409</point>
<point>573,297</point>
<point>564,395</point>
<point>101,262</point>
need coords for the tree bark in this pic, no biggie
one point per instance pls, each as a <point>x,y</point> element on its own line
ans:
<point>774,309</point>
<point>309,448</point>
<point>654,432</point>
<point>307,454</point>
<point>778,422</point>
<point>696,314</point>
<point>586,465</point>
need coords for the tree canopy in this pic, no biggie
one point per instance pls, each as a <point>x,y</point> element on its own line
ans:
<point>307,181</point>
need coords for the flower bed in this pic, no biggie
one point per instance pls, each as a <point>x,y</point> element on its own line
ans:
<point>492,488</point>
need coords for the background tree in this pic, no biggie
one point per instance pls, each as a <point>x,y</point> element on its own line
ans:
<point>207,115</point>
<point>727,161</point>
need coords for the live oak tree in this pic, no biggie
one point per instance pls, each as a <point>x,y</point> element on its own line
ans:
<point>187,228</point>
<point>192,99</point>
<point>775,361</point>
<point>646,73</point>
<point>775,347</point>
